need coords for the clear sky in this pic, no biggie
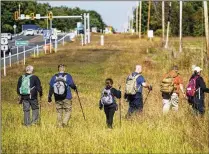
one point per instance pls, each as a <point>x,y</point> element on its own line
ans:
<point>114,13</point>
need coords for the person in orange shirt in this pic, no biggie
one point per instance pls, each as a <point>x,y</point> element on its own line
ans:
<point>170,100</point>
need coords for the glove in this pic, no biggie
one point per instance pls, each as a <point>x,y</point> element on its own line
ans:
<point>49,99</point>
<point>100,105</point>
<point>150,88</point>
<point>116,107</point>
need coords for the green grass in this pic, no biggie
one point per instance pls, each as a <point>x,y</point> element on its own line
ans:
<point>90,65</point>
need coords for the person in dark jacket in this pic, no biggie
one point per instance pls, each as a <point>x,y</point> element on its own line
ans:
<point>136,101</point>
<point>108,101</point>
<point>197,101</point>
<point>29,99</point>
<point>63,102</point>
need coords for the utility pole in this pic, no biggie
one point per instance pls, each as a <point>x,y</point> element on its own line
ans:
<point>148,16</point>
<point>140,18</point>
<point>206,22</point>
<point>206,34</point>
<point>163,22</point>
<point>19,9</point>
<point>180,28</point>
<point>137,14</point>
<point>168,27</point>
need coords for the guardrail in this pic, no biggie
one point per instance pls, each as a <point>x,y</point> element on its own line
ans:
<point>35,49</point>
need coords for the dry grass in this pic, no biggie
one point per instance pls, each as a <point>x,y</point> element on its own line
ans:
<point>89,65</point>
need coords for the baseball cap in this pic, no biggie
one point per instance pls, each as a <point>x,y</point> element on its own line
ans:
<point>198,69</point>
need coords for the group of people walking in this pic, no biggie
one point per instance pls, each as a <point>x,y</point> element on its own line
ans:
<point>60,86</point>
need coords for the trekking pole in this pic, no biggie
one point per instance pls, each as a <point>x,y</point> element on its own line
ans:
<point>147,96</point>
<point>80,103</point>
<point>40,112</point>
<point>120,107</point>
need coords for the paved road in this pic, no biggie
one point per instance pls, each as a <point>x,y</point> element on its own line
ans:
<point>33,42</point>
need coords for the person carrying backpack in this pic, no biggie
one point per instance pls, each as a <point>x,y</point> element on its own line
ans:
<point>195,91</point>
<point>60,85</point>
<point>28,87</point>
<point>171,84</point>
<point>108,101</point>
<point>133,91</point>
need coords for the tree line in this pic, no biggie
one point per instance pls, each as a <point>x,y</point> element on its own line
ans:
<point>9,7</point>
<point>192,21</point>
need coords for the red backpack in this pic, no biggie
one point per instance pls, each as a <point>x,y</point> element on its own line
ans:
<point>191,88</point>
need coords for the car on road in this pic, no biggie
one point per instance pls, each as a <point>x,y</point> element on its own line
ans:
<point>53,37</point>
<point>7,35</point>
<point>29,32</point>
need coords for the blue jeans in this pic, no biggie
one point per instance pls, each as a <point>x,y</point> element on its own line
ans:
<point>135,103</point>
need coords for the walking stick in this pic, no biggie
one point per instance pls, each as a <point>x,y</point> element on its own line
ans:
<point>120,107</point>
<point>40,112</point>
<point>80,103</point>
<point>146,96</point>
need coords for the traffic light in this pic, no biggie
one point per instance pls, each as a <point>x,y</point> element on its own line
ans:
<point>32,16</point>
<point>16,15</point>
<point>50,15</point>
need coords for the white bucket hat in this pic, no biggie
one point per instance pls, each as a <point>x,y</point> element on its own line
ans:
<point>198,69</point>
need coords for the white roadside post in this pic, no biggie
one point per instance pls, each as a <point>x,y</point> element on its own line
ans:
<point>63,41</point>
<point>45,47</point>
<point>50,45</point>
<point>34,52</point>
<point>4,63</point>
<point>85,28</point>
<point>10,59</point>
<point>102,40</point>
<point>55,44</point>
<point>17,55</point>
<point>37,50</point>
<point>82,39</point>
<point>88,28</point>
<point>24,55</point>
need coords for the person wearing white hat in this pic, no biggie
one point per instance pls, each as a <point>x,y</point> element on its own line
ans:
<point>195,91</point>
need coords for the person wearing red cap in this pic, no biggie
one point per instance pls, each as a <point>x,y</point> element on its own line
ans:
<point>197,101</point>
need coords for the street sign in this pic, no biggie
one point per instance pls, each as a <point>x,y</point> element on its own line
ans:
<point>14,26</point>
<point>47,34</point>
<point>38,16</point>
<point>150,33</point>
<point>4,41</point>
<point>21,43</point>
<point>22,16</point>
<point>4,47</point>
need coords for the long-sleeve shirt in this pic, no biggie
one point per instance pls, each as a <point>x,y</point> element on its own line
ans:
<point>35,85</point>
<point>116,93</point>
<point>69,82</point>
<point>200,87</point>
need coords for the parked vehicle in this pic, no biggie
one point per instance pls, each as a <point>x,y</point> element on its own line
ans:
<point>7,35</point>
<point>29,32</point>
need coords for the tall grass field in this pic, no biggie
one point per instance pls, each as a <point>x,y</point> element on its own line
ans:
<point>90,65</point>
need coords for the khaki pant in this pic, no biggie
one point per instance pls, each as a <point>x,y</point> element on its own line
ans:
<point>171,103</point>
<point>64,108</point>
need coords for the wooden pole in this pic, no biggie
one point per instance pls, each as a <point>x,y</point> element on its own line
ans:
<point>148,20</point>
<point>180,28</point>
<point>206,22</point>
<point>168,27</point>
<point>140,18</point>
<point>163,22</point>
<point>137,14</point>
